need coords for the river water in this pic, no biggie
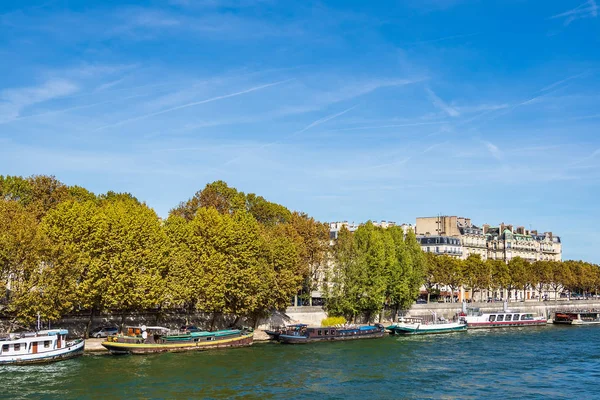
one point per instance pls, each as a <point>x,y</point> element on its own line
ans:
<point>540,362</point>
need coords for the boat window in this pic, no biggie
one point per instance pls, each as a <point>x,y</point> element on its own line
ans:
<point>332,332</point>
<point>516,317</point>
<point>17,346</point>
<point>319,332</point>
<point>523,317</point>
<point>508,317</point>
<point>46,343</point>
<point>500,318</point>
<point>4,347</point>
<point>326,332</point>
<point>492,318</point>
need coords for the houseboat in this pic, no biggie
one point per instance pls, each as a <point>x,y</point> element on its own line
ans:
<point>306,334</point>
<point>577,317</point>
<point>156,339</point>
<point>275,332</point>
<point>39,347</point>
<point>420,326</point>
<point>475,318</point>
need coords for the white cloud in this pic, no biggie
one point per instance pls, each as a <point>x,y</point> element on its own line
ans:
<point>15,100</point>
<point>494,150</point>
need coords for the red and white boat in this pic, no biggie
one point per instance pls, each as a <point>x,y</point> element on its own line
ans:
<point>475,318</point>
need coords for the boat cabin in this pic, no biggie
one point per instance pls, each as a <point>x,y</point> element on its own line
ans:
<point>16,344</point>
<point>504,317</point>
<point>141,334</point>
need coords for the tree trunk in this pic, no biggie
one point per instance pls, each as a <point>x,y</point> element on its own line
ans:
<point>428,296</point>
<point>89,324</point>
<point>212,321</point>
<point>122,321</point>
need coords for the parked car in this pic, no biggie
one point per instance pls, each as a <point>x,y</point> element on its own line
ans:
<point>189,328</point>
<point>421,301</point>
<point>104,331</point>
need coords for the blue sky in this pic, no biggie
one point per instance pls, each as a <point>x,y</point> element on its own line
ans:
<point>346,110</point>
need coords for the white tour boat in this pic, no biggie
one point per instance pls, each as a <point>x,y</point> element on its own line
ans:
<point>475,318</point>
<point>38,347</point>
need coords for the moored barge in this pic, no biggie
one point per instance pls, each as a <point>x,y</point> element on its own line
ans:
<point>155,339</point>
<point>577,317</point>
<point>305,334</point>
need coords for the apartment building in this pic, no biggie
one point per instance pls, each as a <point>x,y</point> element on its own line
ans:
<point>502,242</point>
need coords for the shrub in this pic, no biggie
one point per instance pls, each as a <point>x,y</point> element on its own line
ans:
<point>331,321</point>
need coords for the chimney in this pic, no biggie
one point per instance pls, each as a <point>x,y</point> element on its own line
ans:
<point>521,230</point>
<point>486,228</point>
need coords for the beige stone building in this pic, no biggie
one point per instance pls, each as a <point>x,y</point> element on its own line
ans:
<point>502,242</point>
<point>505,243</point>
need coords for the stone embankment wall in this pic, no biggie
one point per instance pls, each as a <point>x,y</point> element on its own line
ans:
<point>306,315</point>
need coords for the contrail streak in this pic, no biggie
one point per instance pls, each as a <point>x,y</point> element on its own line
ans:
<point>195,103</point>
<point>307,127</point>
<point>73,108</point>
<point>360,128</point>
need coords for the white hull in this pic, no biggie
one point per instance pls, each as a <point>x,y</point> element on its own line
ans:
<point>580,322</point>
<point>424,329</point>
<point>72,349</point>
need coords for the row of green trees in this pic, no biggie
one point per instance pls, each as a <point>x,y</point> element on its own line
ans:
<point>477,275</point>
<point>64,249</point>
<point>373,268</point>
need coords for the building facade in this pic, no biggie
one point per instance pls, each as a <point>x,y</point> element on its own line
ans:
<point>505,243</point>
<point>440,245</point>
<point>502,242</point>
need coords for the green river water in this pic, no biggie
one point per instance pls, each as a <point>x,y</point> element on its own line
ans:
<point>528,363</point>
